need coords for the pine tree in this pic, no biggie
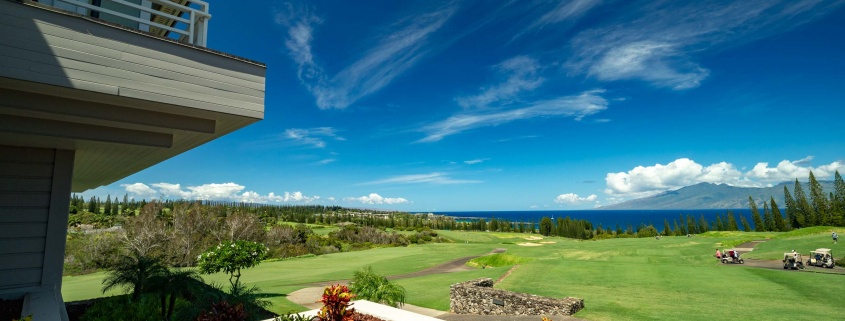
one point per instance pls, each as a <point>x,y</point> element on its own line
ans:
<point>720,226</point>
<point>667,230</point>
<point>820,201</point>
<point>803,207</point>
<point>692,226</point>
<point>744,222</point>
<point>732,222</point>
<point>759,226</point>
<point>792,210</point>
<point>93,207</point>
<point>780,224</point>
<point>768,218</point>
<point>107,206</point>
<point>702,224</point>
<point>839,196</point>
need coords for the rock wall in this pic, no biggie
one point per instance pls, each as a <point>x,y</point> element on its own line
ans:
<point>479,297</point>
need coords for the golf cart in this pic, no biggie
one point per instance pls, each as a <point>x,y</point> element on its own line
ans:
<point>792,260</point>
<point>732,256</point>
<point>821,257</point>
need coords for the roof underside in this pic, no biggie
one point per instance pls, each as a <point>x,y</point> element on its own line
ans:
<point>123,100</point>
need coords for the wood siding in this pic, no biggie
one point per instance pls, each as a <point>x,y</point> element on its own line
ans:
<point>25,193</point>
<point>63,50</point>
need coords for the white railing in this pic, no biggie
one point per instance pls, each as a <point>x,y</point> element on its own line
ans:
<point>192,29</point>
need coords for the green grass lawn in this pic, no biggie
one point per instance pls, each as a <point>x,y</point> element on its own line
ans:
<point>620,279</point>
<point>278,278</point>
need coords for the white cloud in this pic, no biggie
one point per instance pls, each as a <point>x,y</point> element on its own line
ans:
<point>522,76</point>
<point>657,41</point>
<point>572,198</point>
<point>140,189</point>
<point>577,107</point>
<point>393,55</point>
<point>431,178</point>
<point>790,170</point>
<point>327,161</point>
<point>374,198</point>
<point>214,191</point>
<point>643,181</point>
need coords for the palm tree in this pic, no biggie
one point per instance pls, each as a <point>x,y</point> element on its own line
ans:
<point>173,283</point>
<point>133,272</point>
<point>368,285</point>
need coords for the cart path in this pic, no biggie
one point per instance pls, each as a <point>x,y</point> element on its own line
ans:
<point>777,264</point>
<point>308,296</point>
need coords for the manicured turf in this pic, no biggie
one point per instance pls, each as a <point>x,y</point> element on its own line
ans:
<point>620,279</point>
<point>276,279</point>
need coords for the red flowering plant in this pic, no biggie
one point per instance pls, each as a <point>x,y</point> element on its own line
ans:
<point>336,304</point>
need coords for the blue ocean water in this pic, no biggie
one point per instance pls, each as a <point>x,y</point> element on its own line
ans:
<point>608,218</point>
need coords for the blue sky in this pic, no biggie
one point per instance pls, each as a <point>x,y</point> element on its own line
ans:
<point>519,105</point>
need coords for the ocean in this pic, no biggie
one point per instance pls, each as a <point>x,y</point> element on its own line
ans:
<point>608,218</point>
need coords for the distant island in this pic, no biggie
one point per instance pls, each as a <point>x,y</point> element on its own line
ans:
<point>710,196</point>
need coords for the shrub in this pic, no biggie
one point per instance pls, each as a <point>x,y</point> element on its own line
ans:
<point>336,306</point>
<point>223,311</point>
<point>368,285</point>
<point>123,307</point>
<point>231,257</point>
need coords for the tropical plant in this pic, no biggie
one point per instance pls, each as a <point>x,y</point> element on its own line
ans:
<point>172,284</point>
<point>336,305</point>
<point>368,285</point>
<point>135,273</point>
<point>231,257</point>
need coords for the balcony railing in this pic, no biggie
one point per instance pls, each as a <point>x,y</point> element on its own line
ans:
<point>182,20</point>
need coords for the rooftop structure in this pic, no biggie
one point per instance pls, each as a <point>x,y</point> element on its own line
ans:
<point>91,92</point>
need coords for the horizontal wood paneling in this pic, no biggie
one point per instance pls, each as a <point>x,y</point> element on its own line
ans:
<point>22,245</point>
<point>23,214</point>
<point>21,169</point>
<point>20,230</point>
<point>23,184</point>
<point>24,199</point>
<point>28,155</point>
<point>42,46</point>
<point>20,278</point>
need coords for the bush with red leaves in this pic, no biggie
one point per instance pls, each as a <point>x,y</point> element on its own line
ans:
<point>222,311</point>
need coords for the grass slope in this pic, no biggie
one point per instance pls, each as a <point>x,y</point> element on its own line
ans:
<point>619,279</point>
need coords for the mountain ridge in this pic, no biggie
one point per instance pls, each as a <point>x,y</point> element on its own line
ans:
<point>713,196</point>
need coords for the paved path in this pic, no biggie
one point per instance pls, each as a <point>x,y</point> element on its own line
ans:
<point>308,296</point>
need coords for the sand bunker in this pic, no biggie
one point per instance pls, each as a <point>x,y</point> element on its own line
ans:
<point>547,242</point>
<point>533,238</point>
<point>529,244</point>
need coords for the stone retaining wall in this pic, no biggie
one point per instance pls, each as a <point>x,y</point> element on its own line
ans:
<point>479,297</point>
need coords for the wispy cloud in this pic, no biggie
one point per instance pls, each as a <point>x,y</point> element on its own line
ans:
<point>577,107</point>
<point>565,10</point>
<point>659,44</point>
<point>476,161</point>
<point>431,178</point>
<point>376,68</point>
<point>314,137</point>
<point>522,76</point>
<point>327,161</point>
